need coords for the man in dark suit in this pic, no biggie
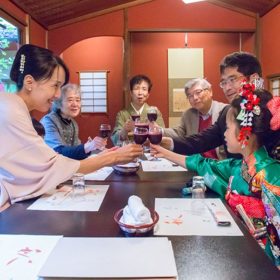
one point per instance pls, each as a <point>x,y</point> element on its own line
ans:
<point>234,68</point>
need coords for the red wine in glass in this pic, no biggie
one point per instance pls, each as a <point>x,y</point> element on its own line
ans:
<point>142,124</point>
<point>104,130</point>
<point>140,135</point>
<point>135,117</point>
<point>155,138</point>
<point>155,135</point>
<point>152,117</point>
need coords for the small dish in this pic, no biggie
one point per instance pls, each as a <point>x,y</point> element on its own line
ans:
<point>127,169</point>
<point>131,230</point>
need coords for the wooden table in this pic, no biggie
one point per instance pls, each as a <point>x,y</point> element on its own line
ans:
<point>197,257</point>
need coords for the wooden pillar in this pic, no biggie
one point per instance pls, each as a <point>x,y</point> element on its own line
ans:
<point>126,61</point>
<point>258,37</point>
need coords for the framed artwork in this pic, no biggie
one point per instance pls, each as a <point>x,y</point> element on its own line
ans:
<point>183,64</point>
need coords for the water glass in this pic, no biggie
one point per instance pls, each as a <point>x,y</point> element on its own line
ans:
<point>79,186</point>
<point>198,187</point>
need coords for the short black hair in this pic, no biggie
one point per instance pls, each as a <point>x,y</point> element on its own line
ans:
<point>38,62</point>
<point>136,80</point>
<point>246,63</point>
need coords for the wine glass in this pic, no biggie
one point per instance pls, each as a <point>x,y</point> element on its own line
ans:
<point>140,135</point>
<point>143,124</point>
<point>135,117</point>
<point>104,130</point>
<point>155,136</point>
<point>152,114</point>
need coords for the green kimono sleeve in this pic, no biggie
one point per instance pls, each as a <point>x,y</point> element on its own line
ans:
<point>121,119</point>
<point>216,173</point>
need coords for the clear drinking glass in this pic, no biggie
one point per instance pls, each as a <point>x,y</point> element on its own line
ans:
<point>198,187</point>
<point>79,186</point>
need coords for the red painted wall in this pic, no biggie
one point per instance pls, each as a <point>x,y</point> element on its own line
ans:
<point>176,14</point>
<point>37,34</point>
<point>270,42</point>
<point>106,25</point>
<point>99,53</point>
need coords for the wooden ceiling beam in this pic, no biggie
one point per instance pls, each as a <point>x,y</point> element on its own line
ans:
<point>269,7</point>
<point>232,7</point>
<point>27,10</point>
<point>99,13</point>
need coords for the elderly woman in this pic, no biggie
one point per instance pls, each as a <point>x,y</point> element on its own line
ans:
<point>61,130</point>
<point>140,88</point>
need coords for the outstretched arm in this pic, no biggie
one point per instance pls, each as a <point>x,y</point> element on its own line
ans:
<point>208,139</point>
<point>159,151</point>
<point>111,157</point>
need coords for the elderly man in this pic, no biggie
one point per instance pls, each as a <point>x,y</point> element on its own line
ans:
<point>204,112</point>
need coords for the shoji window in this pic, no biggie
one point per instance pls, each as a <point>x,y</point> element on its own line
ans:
<point>274,84</point>
<point>94,91</point>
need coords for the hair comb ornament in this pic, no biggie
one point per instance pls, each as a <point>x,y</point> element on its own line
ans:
<point>259,83</point>
<point>22,62</point>
<point>249,108</point>
<point>274,107</point>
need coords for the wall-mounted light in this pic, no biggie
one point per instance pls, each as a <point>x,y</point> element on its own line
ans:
<point>191,1</point>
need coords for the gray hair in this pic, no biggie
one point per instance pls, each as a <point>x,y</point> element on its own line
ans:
<point>191,83</point>
<point>57,104</point>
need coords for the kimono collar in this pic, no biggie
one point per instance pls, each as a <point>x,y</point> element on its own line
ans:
<point>138,111</point>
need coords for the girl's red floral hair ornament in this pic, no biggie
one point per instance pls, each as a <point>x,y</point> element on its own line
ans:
<point>249,108</point>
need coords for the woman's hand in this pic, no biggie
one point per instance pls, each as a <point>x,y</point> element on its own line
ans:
<point>110,157</point>
<point>158,151</point>
<point>127,153</point>
<point>167,143</point>
<point>129,125</point>
<point>97,143</point>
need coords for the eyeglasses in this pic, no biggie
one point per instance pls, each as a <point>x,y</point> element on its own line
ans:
<point>196,93</point>
<point>230,81</point>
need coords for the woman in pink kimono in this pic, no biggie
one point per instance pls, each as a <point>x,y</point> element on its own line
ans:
<point>28,167</point>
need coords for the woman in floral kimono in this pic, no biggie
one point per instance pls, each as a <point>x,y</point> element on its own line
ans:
<point>253,182</point>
